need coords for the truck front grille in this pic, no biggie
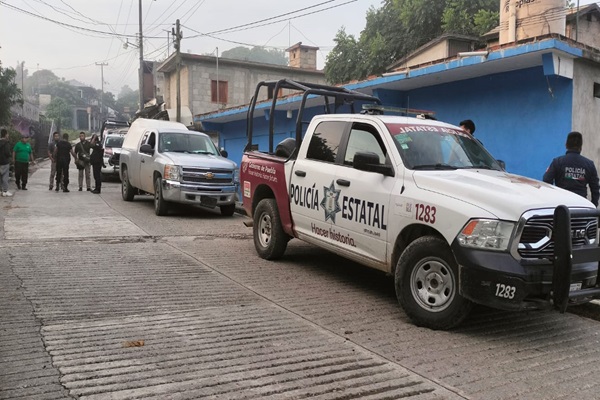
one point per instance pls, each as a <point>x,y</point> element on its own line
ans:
<point>210,177</point>
<point>537,241</point>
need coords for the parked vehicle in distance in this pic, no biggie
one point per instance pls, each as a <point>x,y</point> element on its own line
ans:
<point>421,200</point>
<point>176,165</point>
<point>112,150</point>
<point>109,126</point>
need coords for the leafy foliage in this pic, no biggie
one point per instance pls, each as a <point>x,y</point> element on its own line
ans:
<point>256,54</point>
<point>399,27</point>
<point>128,98</point>
<point>10,94</point>
<point>59,109</point>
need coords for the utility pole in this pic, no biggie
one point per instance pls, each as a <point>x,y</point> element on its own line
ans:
<point>141,59</point>
<point>102,93</point>
<point>168,41</point>
<point>177,36</point>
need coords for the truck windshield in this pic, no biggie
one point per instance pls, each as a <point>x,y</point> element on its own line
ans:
<point>428,147</point>
<point>186,143</point>
<point>114,141</point>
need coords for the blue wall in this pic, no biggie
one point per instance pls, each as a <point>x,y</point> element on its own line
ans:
<point>517,117</point>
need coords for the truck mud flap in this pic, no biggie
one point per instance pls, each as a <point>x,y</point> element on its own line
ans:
<point>565,256</point>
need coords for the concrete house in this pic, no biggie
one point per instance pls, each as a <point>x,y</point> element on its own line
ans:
<point>525,91</point>
<point>210,83</point>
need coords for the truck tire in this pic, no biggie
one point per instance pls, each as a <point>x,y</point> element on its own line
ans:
<point>227,210</point>
<point>270,240</point>
<point>427,285</point>
<point>161,206</point>
<point>127,191</point>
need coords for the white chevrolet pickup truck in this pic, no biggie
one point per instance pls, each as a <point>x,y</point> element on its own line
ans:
<point>175,165</point>
<point>425,202</point>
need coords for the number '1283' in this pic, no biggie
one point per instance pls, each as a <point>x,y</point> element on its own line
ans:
<point>425,213</point>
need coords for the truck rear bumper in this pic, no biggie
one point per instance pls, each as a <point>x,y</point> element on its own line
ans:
<point>498,280</point>
<point>178,192</point>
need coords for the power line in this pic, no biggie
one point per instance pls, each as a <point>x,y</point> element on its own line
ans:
<point>271,18</point>
<point>271,23</point>
<point>65,25</point>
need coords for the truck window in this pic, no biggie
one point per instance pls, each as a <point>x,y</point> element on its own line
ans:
<point>325,141</point>
<point>364,137</point>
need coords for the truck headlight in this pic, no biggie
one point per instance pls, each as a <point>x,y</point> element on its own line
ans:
<point>236,176</point>
<point>486,234</point>
<point>172,172</point>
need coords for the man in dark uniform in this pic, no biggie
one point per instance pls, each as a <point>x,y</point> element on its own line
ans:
<point>62,155</point>
<point>573,171</point>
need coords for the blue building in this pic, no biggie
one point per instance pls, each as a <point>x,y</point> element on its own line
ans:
<point>524,96</point>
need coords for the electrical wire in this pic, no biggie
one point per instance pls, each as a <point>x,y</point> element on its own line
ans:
<point>271,18</point>
<point>194,12</point>
<point>154,26</point>
<point>65,25</point>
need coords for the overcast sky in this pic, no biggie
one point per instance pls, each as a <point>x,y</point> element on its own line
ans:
<point>72,53</point>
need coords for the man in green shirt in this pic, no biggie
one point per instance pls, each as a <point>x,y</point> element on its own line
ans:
<point>21,155</point>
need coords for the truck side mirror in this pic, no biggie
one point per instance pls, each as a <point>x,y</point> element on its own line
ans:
<point>369,161</point>
<point>502,164</point>
<point>223,152</point>
<point>146,149</point>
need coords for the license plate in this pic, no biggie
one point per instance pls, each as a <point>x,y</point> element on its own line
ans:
<point>208,201</point>
<point>575,286</point>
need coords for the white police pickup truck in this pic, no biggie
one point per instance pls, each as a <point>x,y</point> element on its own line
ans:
<point>424,201</point>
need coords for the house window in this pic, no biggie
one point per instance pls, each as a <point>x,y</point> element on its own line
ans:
<point>597,90</point>
<point>218,92</point>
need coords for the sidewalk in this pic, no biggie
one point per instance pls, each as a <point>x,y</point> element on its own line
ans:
<point>60,215</point>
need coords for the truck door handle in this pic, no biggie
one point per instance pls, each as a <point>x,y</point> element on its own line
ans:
<point>343,182</point>
<point>300,173</point>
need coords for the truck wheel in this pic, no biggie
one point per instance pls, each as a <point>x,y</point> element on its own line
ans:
<point>127,191</point>
<point>427,285</point>
<point>227,210</point>
<point>269,238</point>
<point>161,207</point>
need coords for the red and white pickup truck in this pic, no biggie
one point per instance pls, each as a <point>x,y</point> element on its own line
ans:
<point>423,201</point>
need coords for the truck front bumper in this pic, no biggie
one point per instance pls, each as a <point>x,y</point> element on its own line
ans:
<point>498,280</point>
<point>212,196</point>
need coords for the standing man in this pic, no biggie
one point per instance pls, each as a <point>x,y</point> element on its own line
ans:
<point>51,148</point>
<point>573,171</point>
<point>22,154</point>
<point>97,160</point>
<point>4,162</point>
<point>468,126</point>
<point>62,155</point>
<point>82,159</point>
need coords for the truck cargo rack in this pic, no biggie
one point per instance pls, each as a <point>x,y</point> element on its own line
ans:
<point>340,96</point>
<point>565,256</point>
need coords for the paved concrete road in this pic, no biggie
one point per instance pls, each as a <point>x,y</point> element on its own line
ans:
<point>97,303</point>
<point>100,299</point>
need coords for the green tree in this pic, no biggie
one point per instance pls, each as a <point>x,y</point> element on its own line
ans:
<point>399,27</point>
<point>39,80</point>
<point>10,94</point>
<point>343,59</point>
<point>68,93</point>
<point>60,110</point>
<point>127,98</point>
<point>463,16</point>
<point>256,54</point>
